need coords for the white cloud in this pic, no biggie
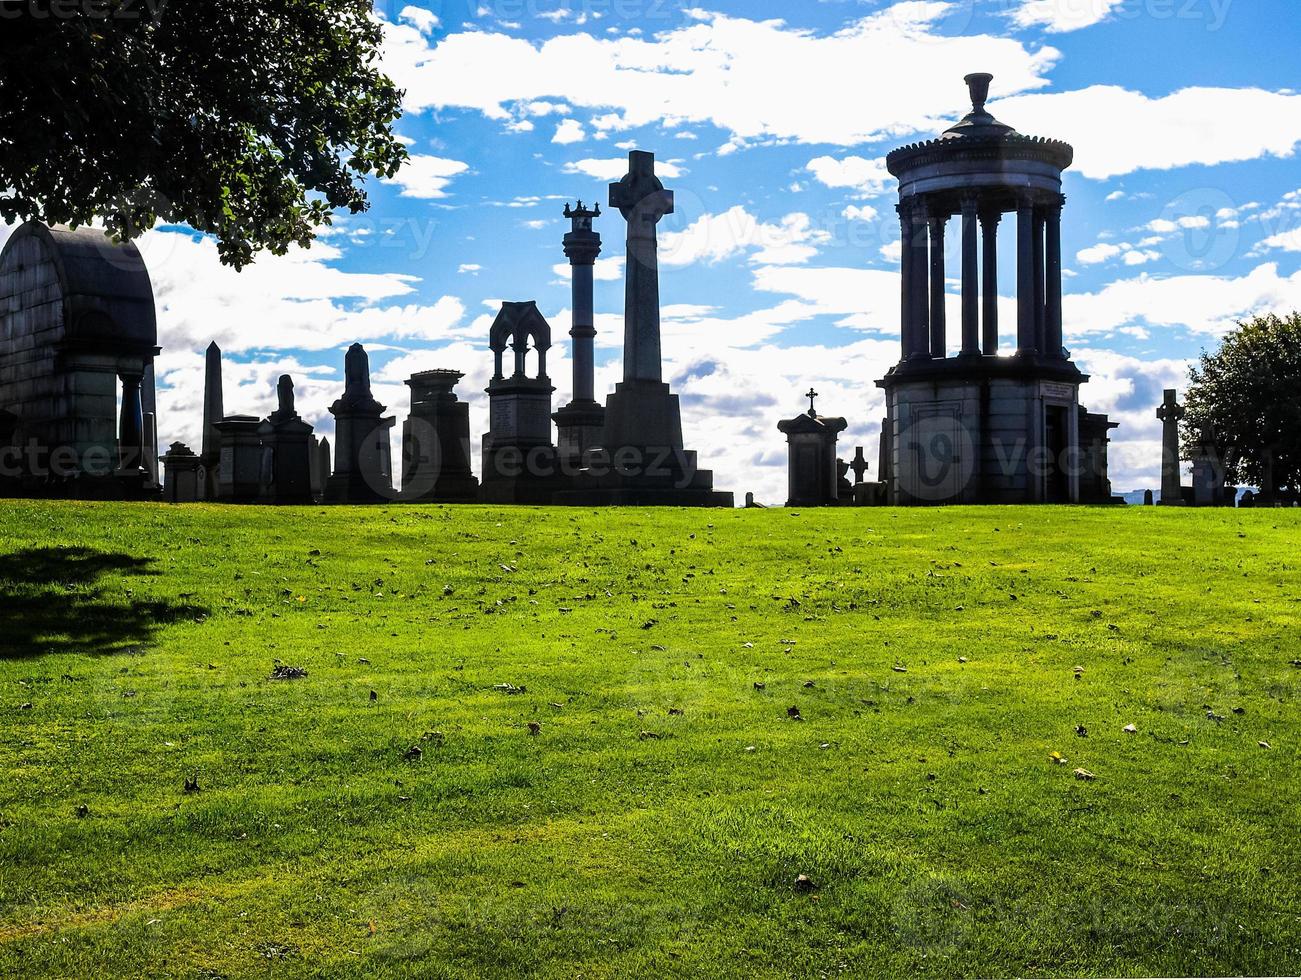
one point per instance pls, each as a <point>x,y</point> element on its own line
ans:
<point>867,177</point>
<point>1116,131</point>
<point>1096,254</point>
<point>714,237</point>
<point>1201,304</point>
<point>614,168</point>
<point>422,19</point>
<point>609,268</point>
<point>292,302</point>
<point>856,212</point>
<point>569,131</point>
<point>1058,16</point>
<point>469,267</point>
<point>719,69</point>
<point>427,176</point>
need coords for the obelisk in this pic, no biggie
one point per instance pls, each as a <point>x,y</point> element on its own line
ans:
<point>213,412</point>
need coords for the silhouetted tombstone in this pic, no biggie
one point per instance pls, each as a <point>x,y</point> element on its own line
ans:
<point>181,474</point>
<point>361,438</point>
<point>436,442</point>
<point>324,464</point>
<point>239,470</point>
<point>1209,472</point>
<point>1248,499</point>
<point>520,463</point>
<point>1170,413</point>
<point>859,465</point>
<point>1148,498</point>
<point>286,476</point>
<point>813,477</point>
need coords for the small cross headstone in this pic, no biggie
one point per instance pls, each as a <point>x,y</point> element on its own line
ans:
<point>811,395</point>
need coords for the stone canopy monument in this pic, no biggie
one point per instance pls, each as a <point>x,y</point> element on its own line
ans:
<point>78,337</point>
<point>641,460</point>
<point>965,425</point>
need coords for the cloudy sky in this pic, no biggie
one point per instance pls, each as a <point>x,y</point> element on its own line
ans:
<point>770,121</point>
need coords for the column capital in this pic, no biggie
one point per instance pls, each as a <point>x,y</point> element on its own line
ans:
<point>990,217</point>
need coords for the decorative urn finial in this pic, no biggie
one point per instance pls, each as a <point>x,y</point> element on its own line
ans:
<point>978,84</point>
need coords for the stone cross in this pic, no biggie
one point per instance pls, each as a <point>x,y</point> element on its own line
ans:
<point>1170,413</point>
<point>859,465</point>
<point>810,395</point>
<point>643,201</point>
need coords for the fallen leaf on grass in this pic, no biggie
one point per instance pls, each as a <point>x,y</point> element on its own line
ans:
<point>1084,774</point>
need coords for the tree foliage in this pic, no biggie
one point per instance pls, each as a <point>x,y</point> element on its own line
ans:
<point>248,119</point>
<point>1250,392</point>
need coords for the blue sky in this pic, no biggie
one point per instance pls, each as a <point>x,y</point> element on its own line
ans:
<point>780,267</point>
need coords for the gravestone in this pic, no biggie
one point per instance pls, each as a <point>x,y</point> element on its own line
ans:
<point>1209,474</point>
<point>1148,498</point>
<point>286,476</point>
<point>181,475</point>
<point>239,468</point>
<point>324,465</point>
<point>1170,413</point>
<point>859,465</point>
<point>436,442</point>
<point>362,474</point>
<point>812,475</point>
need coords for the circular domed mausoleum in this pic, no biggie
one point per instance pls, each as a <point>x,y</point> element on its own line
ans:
<point>966,424</point>
<point>78,337</point>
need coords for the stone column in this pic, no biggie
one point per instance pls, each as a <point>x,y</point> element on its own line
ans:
<point>1040,292</point>
<point>939,340</point>
<point>989,275</point>
<point>582,246</point>
<point>1053,342</point>
<point>920,302</point>
<point>643,201</point>
<point>213,412</point>
<point>131,426</point>
<point>906,317</point>
<point>970,283</point>
<point>1025,278</point>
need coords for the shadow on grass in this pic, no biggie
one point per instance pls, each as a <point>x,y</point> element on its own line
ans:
<point>55,600</point>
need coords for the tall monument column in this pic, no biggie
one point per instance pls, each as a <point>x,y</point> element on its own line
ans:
<point>578,424</point>
<point>642,412</point>
<point>1027,318</point>
<point>1170,412</point>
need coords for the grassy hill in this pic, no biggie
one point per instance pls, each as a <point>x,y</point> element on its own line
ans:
<point>559,742</point>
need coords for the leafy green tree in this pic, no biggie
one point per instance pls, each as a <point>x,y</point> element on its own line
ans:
<point>1250,392</point>
<point>248,119</point>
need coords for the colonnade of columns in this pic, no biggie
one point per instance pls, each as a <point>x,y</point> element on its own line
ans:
<point>1039,276</point>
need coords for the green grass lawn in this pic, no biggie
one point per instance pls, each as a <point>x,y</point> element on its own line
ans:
<point>656,822</point>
